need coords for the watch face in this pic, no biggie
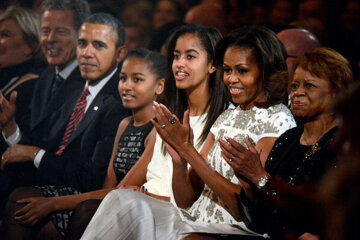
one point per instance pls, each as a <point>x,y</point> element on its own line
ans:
<point>262,182</point>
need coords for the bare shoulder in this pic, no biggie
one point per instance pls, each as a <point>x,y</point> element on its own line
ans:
<point>125,121</point>
<point>123,124</point>
<point>150,139</point>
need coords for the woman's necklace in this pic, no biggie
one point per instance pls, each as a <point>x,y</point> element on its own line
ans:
<point>305,163</point>
<point>314,148</point>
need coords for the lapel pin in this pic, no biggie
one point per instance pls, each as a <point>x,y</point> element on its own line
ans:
<point>96,108</point>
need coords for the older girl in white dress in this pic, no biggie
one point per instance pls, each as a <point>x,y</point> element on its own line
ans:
<point>190,84</point>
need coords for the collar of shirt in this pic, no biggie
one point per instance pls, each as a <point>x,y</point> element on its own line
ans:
<point>94,90</point>
<point>65,73</point>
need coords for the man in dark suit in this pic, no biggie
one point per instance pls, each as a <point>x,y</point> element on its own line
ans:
<point>81,158</point>
<point>60,23</point>
<point>57,87</point>
<point>81,161</point>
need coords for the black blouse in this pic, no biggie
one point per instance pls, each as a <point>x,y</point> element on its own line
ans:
<point>296,164</point>
<point>130,148</point>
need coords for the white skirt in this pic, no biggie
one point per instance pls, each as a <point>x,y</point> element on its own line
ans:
<point>127,214</point>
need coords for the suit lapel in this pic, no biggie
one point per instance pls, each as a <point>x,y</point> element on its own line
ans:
<point>65,97</point>
<point>101,99</point>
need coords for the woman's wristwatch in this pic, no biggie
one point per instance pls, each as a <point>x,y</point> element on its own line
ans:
<point>264,187</point>
<point>262,181</point>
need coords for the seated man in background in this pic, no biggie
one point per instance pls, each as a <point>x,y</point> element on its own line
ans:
<point>53,92</point>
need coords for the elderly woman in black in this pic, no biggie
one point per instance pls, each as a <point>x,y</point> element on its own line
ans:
<point>301,154</point>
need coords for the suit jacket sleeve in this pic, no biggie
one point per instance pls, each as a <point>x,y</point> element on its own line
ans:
<point>85,169</point>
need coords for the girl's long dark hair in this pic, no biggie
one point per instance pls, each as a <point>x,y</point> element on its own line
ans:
<point>176,99</point>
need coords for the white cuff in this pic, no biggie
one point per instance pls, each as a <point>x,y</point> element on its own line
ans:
<point>14,138</point>
<point>38,157</point>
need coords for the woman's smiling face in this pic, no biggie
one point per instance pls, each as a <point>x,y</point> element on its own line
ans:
<point>242,77</point>
<point>13,49</point>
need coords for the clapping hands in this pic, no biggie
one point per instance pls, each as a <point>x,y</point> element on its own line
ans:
<point>7,110</point>
<point>170,129</point>
<point>245,161</point>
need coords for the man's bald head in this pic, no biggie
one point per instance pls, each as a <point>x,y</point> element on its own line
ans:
<point>296,43</point>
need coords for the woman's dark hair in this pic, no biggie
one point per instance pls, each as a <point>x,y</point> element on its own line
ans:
<point>156,61</point>
<point>269,54</point>
<point>176,99</point>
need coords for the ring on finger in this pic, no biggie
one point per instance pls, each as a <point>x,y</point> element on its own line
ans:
<point>163,126</point>
<point>172,120</point>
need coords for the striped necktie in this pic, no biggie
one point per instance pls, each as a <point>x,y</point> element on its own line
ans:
<point>75,118</point>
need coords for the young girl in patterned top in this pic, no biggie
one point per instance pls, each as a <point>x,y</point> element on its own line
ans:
<point>142,79</point>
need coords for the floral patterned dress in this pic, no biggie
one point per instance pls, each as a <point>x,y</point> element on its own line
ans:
<point>256,123</point>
